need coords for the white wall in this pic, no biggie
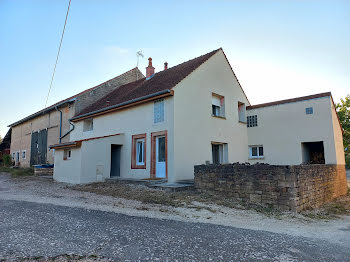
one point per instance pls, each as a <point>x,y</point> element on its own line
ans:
<point>129,122</point>
<point>282,128</point>
<point>195,127</point>
<point>68,171</point>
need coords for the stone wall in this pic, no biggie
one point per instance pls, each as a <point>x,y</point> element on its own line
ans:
<point>283,187</point>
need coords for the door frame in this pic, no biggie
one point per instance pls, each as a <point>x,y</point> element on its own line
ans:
<point>154,135</point>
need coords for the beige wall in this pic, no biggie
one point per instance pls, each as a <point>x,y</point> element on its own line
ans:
<point>129,122</point>
<point>338,137</point>
<point>21,134</point>
<point>282,128</point>
<point>195,127</point>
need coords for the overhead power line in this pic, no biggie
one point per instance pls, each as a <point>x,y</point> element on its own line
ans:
<point>58,53</point>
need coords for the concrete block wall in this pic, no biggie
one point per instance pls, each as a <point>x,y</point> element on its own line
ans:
<point>292,188</point>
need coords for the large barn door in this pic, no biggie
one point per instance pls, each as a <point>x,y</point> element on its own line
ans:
<point>38,147</point>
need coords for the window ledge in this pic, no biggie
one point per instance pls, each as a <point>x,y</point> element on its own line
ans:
<point>222,117</point>
<point>242,122</point>
<point>138,167</point>
<point>256,158</point>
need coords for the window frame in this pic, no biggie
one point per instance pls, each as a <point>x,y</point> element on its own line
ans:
<point>25,154</point>
<point>134,157</point>
<point>67,154</point>
<point>258,156</point>
<point>242,116</point>
<point>223,152</point>
<point>221,107</point>
<point>309,110</point>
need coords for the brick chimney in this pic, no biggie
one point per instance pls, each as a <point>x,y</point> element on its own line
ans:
<point>165,65</point>
<point>149,68</point>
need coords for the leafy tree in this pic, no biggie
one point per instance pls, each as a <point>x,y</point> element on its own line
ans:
<point>343,109</point>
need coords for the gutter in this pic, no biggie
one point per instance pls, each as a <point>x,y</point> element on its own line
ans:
<point>163,93</point>
<point>60,136</point>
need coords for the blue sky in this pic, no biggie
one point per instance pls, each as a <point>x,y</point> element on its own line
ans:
<point>278,49</point>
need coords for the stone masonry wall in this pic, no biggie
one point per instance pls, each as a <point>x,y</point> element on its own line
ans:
<point>292,188</point>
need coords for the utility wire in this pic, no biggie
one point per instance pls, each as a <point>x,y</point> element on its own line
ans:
<point>58,54</point>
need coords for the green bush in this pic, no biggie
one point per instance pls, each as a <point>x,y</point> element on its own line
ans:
<point>7,160</point>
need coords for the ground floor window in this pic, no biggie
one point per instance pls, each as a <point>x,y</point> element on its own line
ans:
<point>24,154</point>
<point>256,151</point>
<point>138,154</point>
<point>67,154</point>
<point>219,153</point>
<point>312,153</point>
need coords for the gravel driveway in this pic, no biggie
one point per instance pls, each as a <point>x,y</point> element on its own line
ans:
<point>42,218</point>
<point>32,229</point>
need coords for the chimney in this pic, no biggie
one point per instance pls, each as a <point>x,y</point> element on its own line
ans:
<point>165,65</point>
<point>149,68</point>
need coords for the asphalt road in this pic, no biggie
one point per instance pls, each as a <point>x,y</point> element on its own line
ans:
<point>31,229</point>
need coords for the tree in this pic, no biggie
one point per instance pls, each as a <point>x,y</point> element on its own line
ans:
<point>343,109</point>
<point>0,139</point>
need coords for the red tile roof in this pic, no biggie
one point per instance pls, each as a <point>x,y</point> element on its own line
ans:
<point>161,81</point>
<point>297,99</point>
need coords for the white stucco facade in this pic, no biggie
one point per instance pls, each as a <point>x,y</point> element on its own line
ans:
<point>283,128</point>
<point>188,121</point>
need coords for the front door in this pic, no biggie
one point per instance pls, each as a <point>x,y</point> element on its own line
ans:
<point>115,160</point>
<point>160,157</point>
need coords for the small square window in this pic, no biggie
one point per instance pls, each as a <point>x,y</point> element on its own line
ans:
<point>88,125</point>
<point>218,105</point>
<point>309,110</point>
<point>252,121</point>
<point>67,154</point>
<point>256,151</point>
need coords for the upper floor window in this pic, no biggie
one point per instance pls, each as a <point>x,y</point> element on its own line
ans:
<point>24,154</point>
<point>241,112</point>
<point>218,105</point>
<point>309,110</point>
<point>256,151</point>
<point>252,121</point>
<point>158,111</point>
<point>88,125</point>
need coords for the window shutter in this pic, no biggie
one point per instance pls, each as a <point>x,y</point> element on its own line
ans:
<point>216,101</point>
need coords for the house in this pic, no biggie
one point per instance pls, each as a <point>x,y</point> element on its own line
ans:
<point>32,135</point>
<point>160,126</point>
<point>303,130</point>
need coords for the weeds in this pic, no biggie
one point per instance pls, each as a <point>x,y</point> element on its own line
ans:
<point>17,172</point>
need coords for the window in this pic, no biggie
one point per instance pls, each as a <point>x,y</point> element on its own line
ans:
<point>158,111</point>
<point>24,154</point>
<point>219,153</point>
<point>88,125</point>
<point>138,152</point>
<point>67,154</point>
<point>312,152</point>
<point>218,105</point>
<point>252,121</point>
<point>13,156</point>
<point>241,112</point>
<point>309,110</point>
<point>256,151</point>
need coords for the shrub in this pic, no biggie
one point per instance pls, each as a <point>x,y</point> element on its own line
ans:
<point>7,159</point>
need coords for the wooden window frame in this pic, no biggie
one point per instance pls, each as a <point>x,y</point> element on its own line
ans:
<point>154,135</point>
<point>133,151</point>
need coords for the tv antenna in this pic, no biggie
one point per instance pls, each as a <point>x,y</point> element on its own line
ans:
<point>138,54</point>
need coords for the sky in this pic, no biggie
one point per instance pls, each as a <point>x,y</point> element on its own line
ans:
<point>277,49</point>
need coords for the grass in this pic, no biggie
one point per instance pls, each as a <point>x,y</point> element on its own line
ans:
<point>17,172</point>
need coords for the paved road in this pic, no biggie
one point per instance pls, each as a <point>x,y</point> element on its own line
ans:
<point>32,229</point>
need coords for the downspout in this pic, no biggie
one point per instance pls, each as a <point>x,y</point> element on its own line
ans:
<point>73,126</point>
<point>60,138</point>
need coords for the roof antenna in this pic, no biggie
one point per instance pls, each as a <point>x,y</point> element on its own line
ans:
<point>138,54</point>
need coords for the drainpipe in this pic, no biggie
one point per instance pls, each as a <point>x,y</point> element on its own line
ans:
<point>60,137</point>
<point>73,126</point>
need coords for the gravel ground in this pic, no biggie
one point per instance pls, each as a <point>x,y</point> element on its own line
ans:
<point>51,230</point>
<point>48,198</point>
